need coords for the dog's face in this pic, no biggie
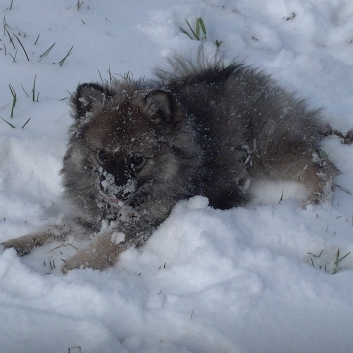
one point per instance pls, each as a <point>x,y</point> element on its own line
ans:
<point>125,139</point>
<point>123,143</point>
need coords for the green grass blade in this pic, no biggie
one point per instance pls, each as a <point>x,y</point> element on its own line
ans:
<point>218,44</point>
<point>21,46</point>
<point>192,31</point>
<point>14,100</point>
<point>185,32</point>
<point>26,123</point>
<point>8,122</point>
<point>34,89</point>
<point>197,28</point>
<point>343,257</point>
<point>202,25</point>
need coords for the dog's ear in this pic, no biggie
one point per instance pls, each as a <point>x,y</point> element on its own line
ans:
<point>163,106</point>
<point>86,97</point>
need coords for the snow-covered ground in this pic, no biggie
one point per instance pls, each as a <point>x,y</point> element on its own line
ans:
<point>270,277</point>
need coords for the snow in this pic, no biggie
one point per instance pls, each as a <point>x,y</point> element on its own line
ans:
<point>269,277</point>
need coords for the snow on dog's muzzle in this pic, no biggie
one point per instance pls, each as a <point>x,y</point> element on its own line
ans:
<point>115,195</point>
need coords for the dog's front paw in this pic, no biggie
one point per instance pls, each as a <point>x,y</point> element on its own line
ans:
<point>98,255</point>
<point>23,245</point>
<point>75,262</point>
<point>86,259</point>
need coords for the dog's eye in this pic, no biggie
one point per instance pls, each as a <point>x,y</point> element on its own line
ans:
<point>138,162</point>
<point>102,157</point>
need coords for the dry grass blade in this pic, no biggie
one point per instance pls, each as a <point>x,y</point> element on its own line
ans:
<point>344,189</point>
<point>35,43</point>
<point>67,55</point>
<point>11,40</point>
<point>63,245</point>
<point>47,51</point>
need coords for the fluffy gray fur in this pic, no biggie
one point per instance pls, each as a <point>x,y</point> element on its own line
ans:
<point>203,128</point>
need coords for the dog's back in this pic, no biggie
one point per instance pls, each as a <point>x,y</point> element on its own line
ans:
<point>250,128</point>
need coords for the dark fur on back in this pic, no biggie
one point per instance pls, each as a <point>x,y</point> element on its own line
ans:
<point>203,128</point>
<point>242,115</point>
